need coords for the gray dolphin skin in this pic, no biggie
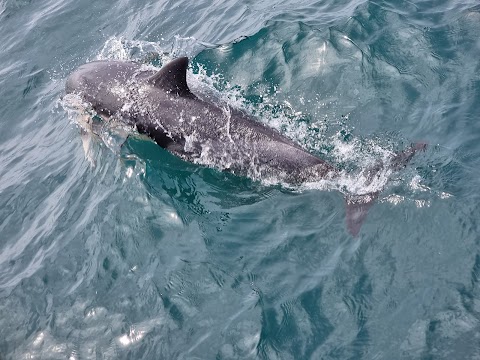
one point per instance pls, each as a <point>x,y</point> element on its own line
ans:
<point>160,105</point>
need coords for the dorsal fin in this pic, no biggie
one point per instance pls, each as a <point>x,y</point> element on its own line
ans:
<point>173,77</point>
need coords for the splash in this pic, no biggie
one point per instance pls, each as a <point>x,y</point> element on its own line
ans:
<point>151,52</point>
<point>363,165</point>
<point>113,132</point>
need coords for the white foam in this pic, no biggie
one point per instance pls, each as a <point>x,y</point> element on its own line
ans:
<point>365,162</point>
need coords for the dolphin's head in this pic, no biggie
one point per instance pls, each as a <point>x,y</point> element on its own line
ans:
<point>109,86</point>
<point>103,84</point>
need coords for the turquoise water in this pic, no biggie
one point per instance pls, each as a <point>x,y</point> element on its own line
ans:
<point>139,255</point>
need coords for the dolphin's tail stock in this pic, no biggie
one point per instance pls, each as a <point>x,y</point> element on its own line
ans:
<point>357,206</point>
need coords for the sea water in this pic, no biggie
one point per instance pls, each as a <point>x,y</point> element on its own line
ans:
<point>126,252</point>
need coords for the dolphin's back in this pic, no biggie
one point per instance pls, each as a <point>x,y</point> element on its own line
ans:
<point>200,131</point>
<point>161,105</point>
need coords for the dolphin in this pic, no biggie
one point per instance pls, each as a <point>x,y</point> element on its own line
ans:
<point>160,105</point>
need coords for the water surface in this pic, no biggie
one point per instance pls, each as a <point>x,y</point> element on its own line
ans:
<point>144,256</point>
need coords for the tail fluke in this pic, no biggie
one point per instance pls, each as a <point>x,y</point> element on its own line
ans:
<point>356,211</point>
<point>357,206</point>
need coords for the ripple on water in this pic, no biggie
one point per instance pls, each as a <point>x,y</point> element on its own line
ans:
<point>144,256</point>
